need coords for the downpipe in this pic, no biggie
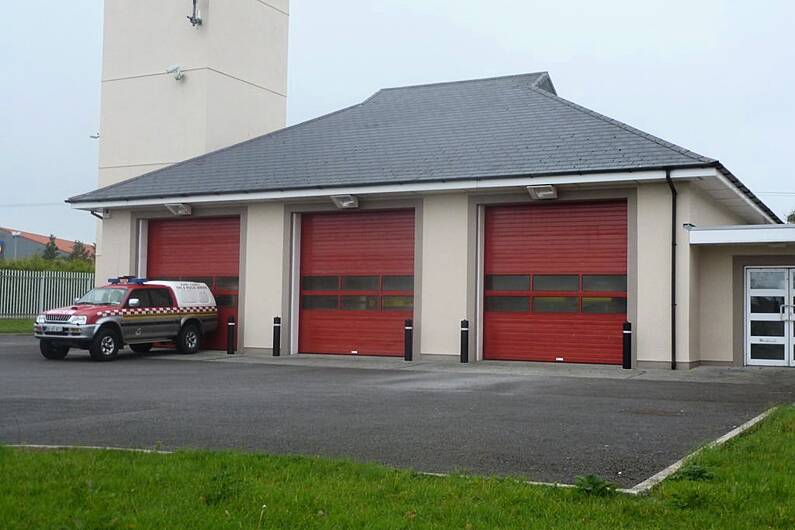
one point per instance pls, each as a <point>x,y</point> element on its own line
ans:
<point>673,266</point>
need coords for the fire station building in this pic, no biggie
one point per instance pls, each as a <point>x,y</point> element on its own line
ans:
<point>544,224</point>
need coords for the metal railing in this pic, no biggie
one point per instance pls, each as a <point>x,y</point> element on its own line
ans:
<point>27,293</point>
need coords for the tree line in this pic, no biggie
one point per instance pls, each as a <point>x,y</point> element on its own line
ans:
<point>78,260</point>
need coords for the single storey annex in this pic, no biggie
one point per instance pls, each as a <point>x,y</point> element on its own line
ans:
<point>543,223</point>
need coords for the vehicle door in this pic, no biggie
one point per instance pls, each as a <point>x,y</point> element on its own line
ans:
<point>166,322</point>
<point>136,325</point>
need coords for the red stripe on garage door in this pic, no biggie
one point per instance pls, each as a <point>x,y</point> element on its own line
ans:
<point>555,285</point>
<point>205,249</point>
<point>357,273</point>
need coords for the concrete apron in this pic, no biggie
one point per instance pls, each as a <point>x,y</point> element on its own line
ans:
<point>700,374</point>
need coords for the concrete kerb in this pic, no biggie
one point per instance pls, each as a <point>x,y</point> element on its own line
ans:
<point>644,487</point>
<point>44,447</point>
<point>641,488</point>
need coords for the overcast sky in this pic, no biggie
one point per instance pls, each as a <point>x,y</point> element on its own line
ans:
<point>715,77</point>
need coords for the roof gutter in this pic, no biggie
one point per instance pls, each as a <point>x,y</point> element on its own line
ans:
<point>558,178</point>
<point>674,195</point>
<point>590,175</point>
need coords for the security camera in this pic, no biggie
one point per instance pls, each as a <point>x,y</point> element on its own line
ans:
<point>176,69</point>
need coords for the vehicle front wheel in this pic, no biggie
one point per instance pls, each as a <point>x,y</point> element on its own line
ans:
<point>189,339</point>
<point>141,348</point>
<point>105,345</point>
<point>52,351</point>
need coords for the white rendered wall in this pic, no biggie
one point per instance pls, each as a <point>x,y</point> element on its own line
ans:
<point>445,246</point>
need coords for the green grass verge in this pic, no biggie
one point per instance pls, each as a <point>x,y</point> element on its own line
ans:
<point>748,483</point>
<point>16,326</point>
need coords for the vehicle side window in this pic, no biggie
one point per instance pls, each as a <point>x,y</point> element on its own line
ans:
<point>160,297</point>
<point>142,295</point>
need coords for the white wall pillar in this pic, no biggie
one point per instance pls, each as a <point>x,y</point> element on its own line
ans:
<point>264,273</point>
<point>445,240</point>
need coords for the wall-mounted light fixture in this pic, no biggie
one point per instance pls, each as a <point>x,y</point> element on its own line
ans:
<point>345,201</point>
<point>101,214</point>
<point>195,17</point>
<point>179,208</point>
<point>542,193</point>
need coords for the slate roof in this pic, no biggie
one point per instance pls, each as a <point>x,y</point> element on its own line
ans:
<point>477,129</point>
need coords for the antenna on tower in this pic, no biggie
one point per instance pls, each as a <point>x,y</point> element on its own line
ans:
<point>196,17</point>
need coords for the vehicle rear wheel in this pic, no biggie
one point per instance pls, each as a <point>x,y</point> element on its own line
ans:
<point>189,339</point>
<point>105,345</point>
<point>141,348</point>
<point>52,351</point>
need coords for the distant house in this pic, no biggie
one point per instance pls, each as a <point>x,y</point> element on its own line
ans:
<point>18,244</point>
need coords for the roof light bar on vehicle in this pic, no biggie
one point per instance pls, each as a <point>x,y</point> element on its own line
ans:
<point>124,280</point>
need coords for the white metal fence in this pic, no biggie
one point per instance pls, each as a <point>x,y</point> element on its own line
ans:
<point>27,293</point>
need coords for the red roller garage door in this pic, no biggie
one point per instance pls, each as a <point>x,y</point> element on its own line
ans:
<point>555,282</point>
<point>203,250</point>
<point>357,282</point>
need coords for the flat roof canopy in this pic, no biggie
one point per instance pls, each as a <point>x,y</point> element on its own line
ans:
<point>743,234</point>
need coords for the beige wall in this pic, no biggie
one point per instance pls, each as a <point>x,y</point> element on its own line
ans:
<point>652,329</point>
<point>263,273</point>
<point>720,312</point>
<point>445,284</point>
<point>151,120</point>
<point>118,246</point>
<point>715,303</point>
<point>709,303</point>
<point>235,82</point>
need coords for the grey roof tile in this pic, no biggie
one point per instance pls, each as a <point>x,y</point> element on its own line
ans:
<point>478,129</point>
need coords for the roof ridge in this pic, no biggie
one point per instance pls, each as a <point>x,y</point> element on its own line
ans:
<point>664,143</point>
<point>226,148</point>
<point>543,75</point>
<point>462,81</point>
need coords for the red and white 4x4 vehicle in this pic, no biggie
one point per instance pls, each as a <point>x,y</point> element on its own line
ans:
<point>129,311</point>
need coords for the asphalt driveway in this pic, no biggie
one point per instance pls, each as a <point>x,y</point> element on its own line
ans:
<point>463,418</point>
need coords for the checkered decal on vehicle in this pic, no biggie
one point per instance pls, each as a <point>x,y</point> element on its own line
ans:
<point>151,311</point>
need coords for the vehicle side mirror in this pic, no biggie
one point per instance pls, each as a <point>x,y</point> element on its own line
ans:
<point>133,302</point>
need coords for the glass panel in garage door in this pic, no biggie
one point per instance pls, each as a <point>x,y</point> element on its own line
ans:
<point>767,325</point>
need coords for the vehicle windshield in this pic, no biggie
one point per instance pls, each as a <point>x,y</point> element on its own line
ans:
<point>103,296</point>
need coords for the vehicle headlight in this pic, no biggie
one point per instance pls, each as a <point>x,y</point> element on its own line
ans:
<point>79,320</point>
<point>41,319</point>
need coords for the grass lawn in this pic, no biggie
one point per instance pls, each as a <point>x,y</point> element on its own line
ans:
<point>16,326</point>
<point>748,483</point>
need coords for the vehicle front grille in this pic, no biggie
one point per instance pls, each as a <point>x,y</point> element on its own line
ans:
<point>57,318</point>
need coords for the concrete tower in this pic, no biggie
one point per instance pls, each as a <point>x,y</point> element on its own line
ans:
<point>174,88</point>
<point>232,70</point>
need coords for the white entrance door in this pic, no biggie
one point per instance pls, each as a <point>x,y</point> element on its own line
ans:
<point>791,317</point>
<point>770,316</point>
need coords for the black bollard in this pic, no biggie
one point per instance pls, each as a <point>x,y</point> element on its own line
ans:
<point>231,335</point>
<point>277,336</point>
<point>627,360</point>
<point>408,340</point>
<point>465,341</point>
